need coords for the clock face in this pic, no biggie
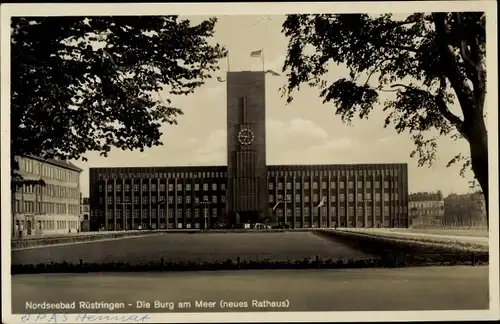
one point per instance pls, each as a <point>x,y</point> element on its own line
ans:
<point>245,137</point>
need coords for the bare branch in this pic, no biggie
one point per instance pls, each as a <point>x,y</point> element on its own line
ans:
<point>443,108</point>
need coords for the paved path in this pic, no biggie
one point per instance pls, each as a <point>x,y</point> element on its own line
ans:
<point>482,240</point>
<point>432,288</point>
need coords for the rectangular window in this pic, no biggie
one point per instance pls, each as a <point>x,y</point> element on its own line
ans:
<point>170,187</point>
<point>196,186</point>
<point>153,187</point>
<point>341,185</point>
<point>179,187</point>
<point>386,184</point>
<point>214,187</point>
<point>205,187</point>
<point>351,197</point>
<point>214,199</point>
<point>153,199</point>
<point>386,196</point>
<point>306,199</point>
<point>110,200</point>
<point>342,197</point>
<point>368,196</point>
<point>136,200</point>
<point>144,200</point>
<point>136,187</point>
<point>162,187</point>
<point>144,187</point>
<point>118,187</point>
<point>297,185</point>
<point>360,184</point>
<point>368,185</point>
<point>377,196</point>
<point>110,188</point>
<point>179,199</point>
<point>306,185</point>
<point>288,186</point>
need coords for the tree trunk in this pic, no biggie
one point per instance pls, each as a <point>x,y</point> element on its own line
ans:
<point>478,141</point>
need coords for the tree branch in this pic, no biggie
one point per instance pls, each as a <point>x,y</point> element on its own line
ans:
<point>443,108</point>
<point>450,65</point>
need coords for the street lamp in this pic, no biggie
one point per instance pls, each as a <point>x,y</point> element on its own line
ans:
<point>124,213</point>
<point>206,205</point>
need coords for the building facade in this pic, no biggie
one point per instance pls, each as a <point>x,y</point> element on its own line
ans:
<point>467,210</point>
<point>50,209</point>
<point>247,190</point>
<point>85,215</point>
<point>426,209</point>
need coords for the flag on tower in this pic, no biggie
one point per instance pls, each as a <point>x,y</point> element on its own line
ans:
<point>277,204</point>
<point>256,53</point>
<point>322,202</point>
<point>220,79</point>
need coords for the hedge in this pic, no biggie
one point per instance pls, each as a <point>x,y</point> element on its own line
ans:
<point>407,251</point>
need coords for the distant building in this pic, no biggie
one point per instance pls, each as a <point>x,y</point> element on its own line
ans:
<point>85,215</point>
<point>467,210</point>
<point>426,209</point>
<point>247,190</point>
<point>50,209</point>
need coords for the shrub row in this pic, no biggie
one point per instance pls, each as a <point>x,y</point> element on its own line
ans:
<point>163,265</point>
<point>409,251</point>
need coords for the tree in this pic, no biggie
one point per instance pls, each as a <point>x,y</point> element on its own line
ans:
<point>89,84</point>
<point>428,62</point>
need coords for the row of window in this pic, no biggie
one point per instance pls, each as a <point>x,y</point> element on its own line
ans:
<point>188,213</point>
<point>46,225</point>
<point>51,190</point>
<point>332,173</point>
<point>47,170</point>
<point>219,174</point>
<point>368,211</point>
<point>145,187</point>
<point>161,200</point>
<point>162,175</point>
<point>333,184</point>
<point>32,207</point>
<point>367,197</point>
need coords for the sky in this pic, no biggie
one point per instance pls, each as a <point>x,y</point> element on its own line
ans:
<point>303,132</point>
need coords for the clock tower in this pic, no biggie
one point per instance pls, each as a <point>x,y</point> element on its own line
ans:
<point>246,147</point>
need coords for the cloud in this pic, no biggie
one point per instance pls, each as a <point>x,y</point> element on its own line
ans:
<point>213,148</point>
<point>298,131</point>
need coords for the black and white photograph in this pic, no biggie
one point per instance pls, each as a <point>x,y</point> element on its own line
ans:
<point>246,162</point>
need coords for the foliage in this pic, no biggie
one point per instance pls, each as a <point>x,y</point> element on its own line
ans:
<point>87,84</point>
<point>424,63</point>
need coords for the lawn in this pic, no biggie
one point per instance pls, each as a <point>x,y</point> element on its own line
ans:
<point>197,247</point>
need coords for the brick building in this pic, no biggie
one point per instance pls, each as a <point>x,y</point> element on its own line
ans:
<point>426,209</point>
<point>50,209</point>
<point>248,190</point>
